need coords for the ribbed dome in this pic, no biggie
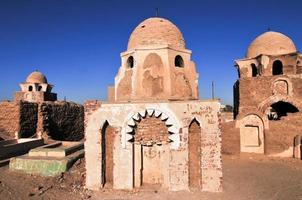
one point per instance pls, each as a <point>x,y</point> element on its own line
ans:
<point>155,31</point>
<point>271,43</point>
<point>36,77</point>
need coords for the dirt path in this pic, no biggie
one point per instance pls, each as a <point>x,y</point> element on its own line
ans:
<point>245,177</point>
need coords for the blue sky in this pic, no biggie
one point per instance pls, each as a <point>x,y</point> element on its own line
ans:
<point>77,43</point>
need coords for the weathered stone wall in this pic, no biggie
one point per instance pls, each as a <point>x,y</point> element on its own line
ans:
<point>61,120</point>
<point>174,168</point>
<point>9,119</point>
<point>90,106</point>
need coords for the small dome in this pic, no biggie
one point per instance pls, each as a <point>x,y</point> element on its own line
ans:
<point>36,77</point>
<point>271,43</point>
<point>155,31</point>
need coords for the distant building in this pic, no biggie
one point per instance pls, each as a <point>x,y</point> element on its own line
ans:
<point>268,95</point>
<point>35,89</point>
<point>35,112</point>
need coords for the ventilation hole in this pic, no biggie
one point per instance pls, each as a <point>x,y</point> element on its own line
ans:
<point>143,26</point>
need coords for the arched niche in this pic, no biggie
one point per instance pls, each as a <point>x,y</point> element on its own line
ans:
<point>251,134</point>
<point>277,68</point>
<point>153,76</point>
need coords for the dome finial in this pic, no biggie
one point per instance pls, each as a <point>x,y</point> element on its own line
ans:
<point>157,12</point>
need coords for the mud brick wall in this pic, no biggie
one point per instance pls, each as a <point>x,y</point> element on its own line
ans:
<point>28,119</point>
<point>61,120</point>
<point>151,130</point>
<point>281,133</point>
<point>230,138</point>
<point>252,91</point>
<point>18,117</point>
<point>9,119</point>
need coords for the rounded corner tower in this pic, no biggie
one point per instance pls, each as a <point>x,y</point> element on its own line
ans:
<point>156,65</point>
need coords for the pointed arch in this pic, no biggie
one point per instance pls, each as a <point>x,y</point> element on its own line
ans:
<point>194,151</point>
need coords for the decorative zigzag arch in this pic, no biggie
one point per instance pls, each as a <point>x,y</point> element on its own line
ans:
<point>170,121</point>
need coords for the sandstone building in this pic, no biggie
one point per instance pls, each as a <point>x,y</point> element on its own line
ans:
<point>154,130</point>
<point>268,94</point>
<point>35,110</point>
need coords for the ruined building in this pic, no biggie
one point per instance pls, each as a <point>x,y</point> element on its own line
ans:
<point>35,110</point>
<point>268,94</point>
<point>154,130</point>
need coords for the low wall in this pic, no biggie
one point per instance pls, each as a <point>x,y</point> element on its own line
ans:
<point>61,120</point>
<point>18,117</point>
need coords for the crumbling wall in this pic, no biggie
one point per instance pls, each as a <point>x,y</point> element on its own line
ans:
<point>90,106</point>
<point>28,119</point>
<point>17,116</point>
<point>9,119</point>
<point>61,120</point>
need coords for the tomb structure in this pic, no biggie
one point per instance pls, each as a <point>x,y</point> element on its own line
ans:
<point>154,131</point>
<point>268,94</point>
<point>36,112</point>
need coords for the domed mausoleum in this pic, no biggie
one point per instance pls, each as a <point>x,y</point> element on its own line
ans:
<point>154,130</point>
<point>36,112</point>
<point>267,96</point>
<point>35,89</point>
<point>156,65</point>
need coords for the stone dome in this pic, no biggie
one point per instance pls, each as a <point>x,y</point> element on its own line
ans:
<point>154,31</point>
<point>36,77</point>
<point>271,43</point>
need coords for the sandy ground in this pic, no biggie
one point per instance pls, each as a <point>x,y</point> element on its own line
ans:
<point>245,177</point>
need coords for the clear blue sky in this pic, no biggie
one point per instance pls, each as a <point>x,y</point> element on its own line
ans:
<point>77,43</point>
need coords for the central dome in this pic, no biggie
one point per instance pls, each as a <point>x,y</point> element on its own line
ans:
<point>156,31</point>
<point>271,43</point>
<point>36,77</point>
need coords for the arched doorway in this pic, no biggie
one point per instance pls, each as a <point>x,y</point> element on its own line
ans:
<point>151,152</point>
<point>108,135</point>
<point>194,145</point>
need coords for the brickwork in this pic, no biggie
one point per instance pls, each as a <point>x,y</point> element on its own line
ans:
<point>267,98</point>
<point>61,120</point>
<point>28,119</point>
<point>151,130</point>
<point>90,106</point>
<point>18,117</point>
<point>9,119</point>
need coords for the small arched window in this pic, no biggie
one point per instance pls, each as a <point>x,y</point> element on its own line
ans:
<point>178,62</point>
<point>254,70</point>
<point>30,88</point>
<point>277,67</point>
<point>130,62</point>
<point>39,88</point>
